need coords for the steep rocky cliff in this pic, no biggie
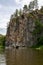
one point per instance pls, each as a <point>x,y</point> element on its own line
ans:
<point>20,29</point>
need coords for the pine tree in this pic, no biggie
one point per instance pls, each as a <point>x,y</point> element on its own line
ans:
<point>36,4</point>
<point>16,12</point>
<point>31,5</point>
<point>25,8</point>
<point>20,12</point>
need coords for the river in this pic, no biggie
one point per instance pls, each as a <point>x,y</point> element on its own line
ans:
<point>21,57</point>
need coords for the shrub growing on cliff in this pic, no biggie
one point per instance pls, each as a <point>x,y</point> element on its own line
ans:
<point>38,27</point>
<point>38,32</point>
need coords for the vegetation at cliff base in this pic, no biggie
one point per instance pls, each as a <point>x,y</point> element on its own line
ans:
<point>38,33</point>
<point>2,41</point>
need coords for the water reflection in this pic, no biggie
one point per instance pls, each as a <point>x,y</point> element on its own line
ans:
<point>2,58</point>
<point>21,57</point>
<point>24,57</point>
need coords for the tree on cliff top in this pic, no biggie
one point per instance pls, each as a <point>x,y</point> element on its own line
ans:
<point>25,8</point>
<point>41,9</point>
<point>20,12</point>
<point>16,12</point>
<point>31,5</point>
<point>36,4</point>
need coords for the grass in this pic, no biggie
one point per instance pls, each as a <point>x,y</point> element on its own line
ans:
<point>40,47</point>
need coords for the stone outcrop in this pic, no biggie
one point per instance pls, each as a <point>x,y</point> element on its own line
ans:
<point>19,31</point>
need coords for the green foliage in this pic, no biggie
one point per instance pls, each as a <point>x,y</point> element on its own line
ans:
<point>31,5</point>
<point>38,27</point>
<point>41,40</point>
<point>2,41</point>
<point>25,8</point>
<point>20,12</point>
<point>38,32</point>
<point>16,12</point>
<point>41,9</point>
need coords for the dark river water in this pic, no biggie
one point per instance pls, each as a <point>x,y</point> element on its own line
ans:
<point>21,57</point>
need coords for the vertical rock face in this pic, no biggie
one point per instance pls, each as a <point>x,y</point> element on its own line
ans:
<point>19,31</point>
